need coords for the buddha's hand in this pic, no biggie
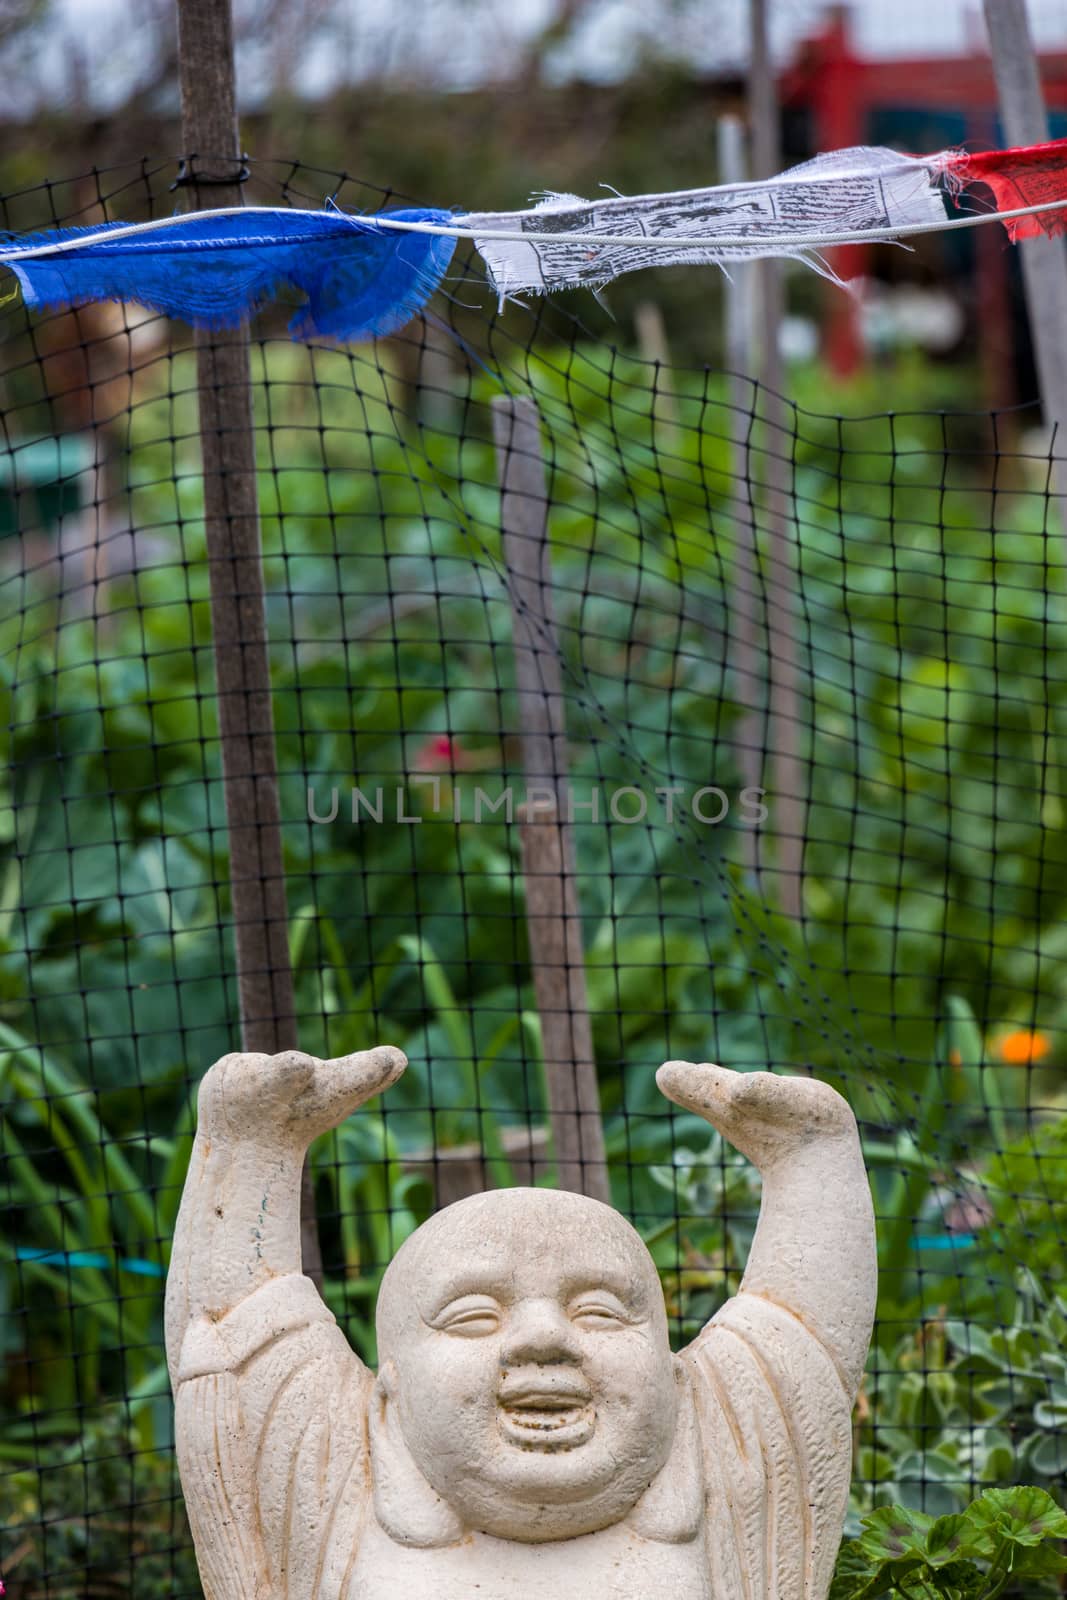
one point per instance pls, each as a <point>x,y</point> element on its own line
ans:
<point>289,1099</point>
<point>762,1114</point>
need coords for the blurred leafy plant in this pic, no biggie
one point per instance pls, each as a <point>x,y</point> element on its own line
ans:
<point>953,1405</point>
<point>701,1251</point>
<point>100,1518</point>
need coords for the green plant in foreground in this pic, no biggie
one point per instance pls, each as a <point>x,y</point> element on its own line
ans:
<point>106,1523</point>
<point>1004,1543</point>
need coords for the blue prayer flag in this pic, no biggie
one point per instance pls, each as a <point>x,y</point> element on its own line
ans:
<point>362,281</point>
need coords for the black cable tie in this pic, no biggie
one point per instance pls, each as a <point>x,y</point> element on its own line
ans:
<point>188,176</point>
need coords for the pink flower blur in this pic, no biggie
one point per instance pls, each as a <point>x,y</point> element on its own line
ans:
<point>440,753</point>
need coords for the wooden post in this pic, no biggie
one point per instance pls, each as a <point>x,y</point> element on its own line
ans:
<point>461,1170</point>
<point>653,348</point>
<point>738,331</point>
<point>839,111</point>
<point>435,392</point>
<point>766,150</point>
<point>745,601</point>
<point>996,335</point>
<point>552,912</point>
<point>238,612</point>
<point>1044,264</point>
<point>787,797</point>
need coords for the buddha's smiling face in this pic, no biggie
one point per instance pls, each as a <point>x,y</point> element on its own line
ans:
<point>524,1342</point>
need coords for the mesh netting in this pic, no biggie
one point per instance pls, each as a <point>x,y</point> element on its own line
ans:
<point>812,672</point>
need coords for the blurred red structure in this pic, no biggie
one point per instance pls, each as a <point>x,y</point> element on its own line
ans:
<point>840,91</point>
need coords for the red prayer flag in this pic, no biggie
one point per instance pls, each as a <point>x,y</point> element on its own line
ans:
<point>1031,175</point>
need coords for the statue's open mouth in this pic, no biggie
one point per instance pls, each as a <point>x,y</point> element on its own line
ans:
<point>553,1418</point>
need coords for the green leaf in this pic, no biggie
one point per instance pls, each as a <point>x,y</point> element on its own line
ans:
<point>1024,1516</point>
<point>1038,1560</point>
<point>851,1572</point>
<point>1047,1456</point>
<point>947,1539</point>
<point>859,1577</point>
<point>962,1041</point>
<point>962,1580</point>
<point>893,1531</point>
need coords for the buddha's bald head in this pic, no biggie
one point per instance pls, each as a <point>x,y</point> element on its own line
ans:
<point>523,1338</point>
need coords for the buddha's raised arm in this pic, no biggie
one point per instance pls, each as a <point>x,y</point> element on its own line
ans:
<point>814,1250</point>
<point>259,1368</point>
<point>239,1224</point>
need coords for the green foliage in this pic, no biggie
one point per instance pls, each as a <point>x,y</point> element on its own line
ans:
<point>954,1404</point>
<point>100,1516</point>
<point>1004,1543</point>
<point>90,1209</point>
<point>114,750</point>
<point>935,648</point>
<point>702,1248</point>
<point>1026,1185</point>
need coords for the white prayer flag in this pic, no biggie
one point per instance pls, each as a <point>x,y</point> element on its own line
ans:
<point>864,189</point>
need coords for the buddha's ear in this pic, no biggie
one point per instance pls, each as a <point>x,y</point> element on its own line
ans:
<point>407,1507</point>
<point>672,1507</point>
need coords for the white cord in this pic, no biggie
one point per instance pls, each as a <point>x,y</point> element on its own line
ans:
<point>748,242</point>
<point>129,229</point>
<point>792,241</point>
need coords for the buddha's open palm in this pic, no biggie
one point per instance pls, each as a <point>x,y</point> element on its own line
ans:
<point>291,1098</point>
<point>761,1113</point>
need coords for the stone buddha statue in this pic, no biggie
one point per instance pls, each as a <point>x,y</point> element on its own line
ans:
<point>528,1433</point>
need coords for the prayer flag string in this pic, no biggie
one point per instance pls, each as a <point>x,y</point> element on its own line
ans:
<point>367,276</point>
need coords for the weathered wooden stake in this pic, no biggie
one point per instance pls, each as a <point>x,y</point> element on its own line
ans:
<point>238,613</point>
<point>745,600</point>
<point>788,790</point>
<point>652,347</point>
<point>552,912</point>
<point>1044,262</point>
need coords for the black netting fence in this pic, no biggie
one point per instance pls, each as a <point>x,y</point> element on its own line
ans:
<point>774,702</point>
